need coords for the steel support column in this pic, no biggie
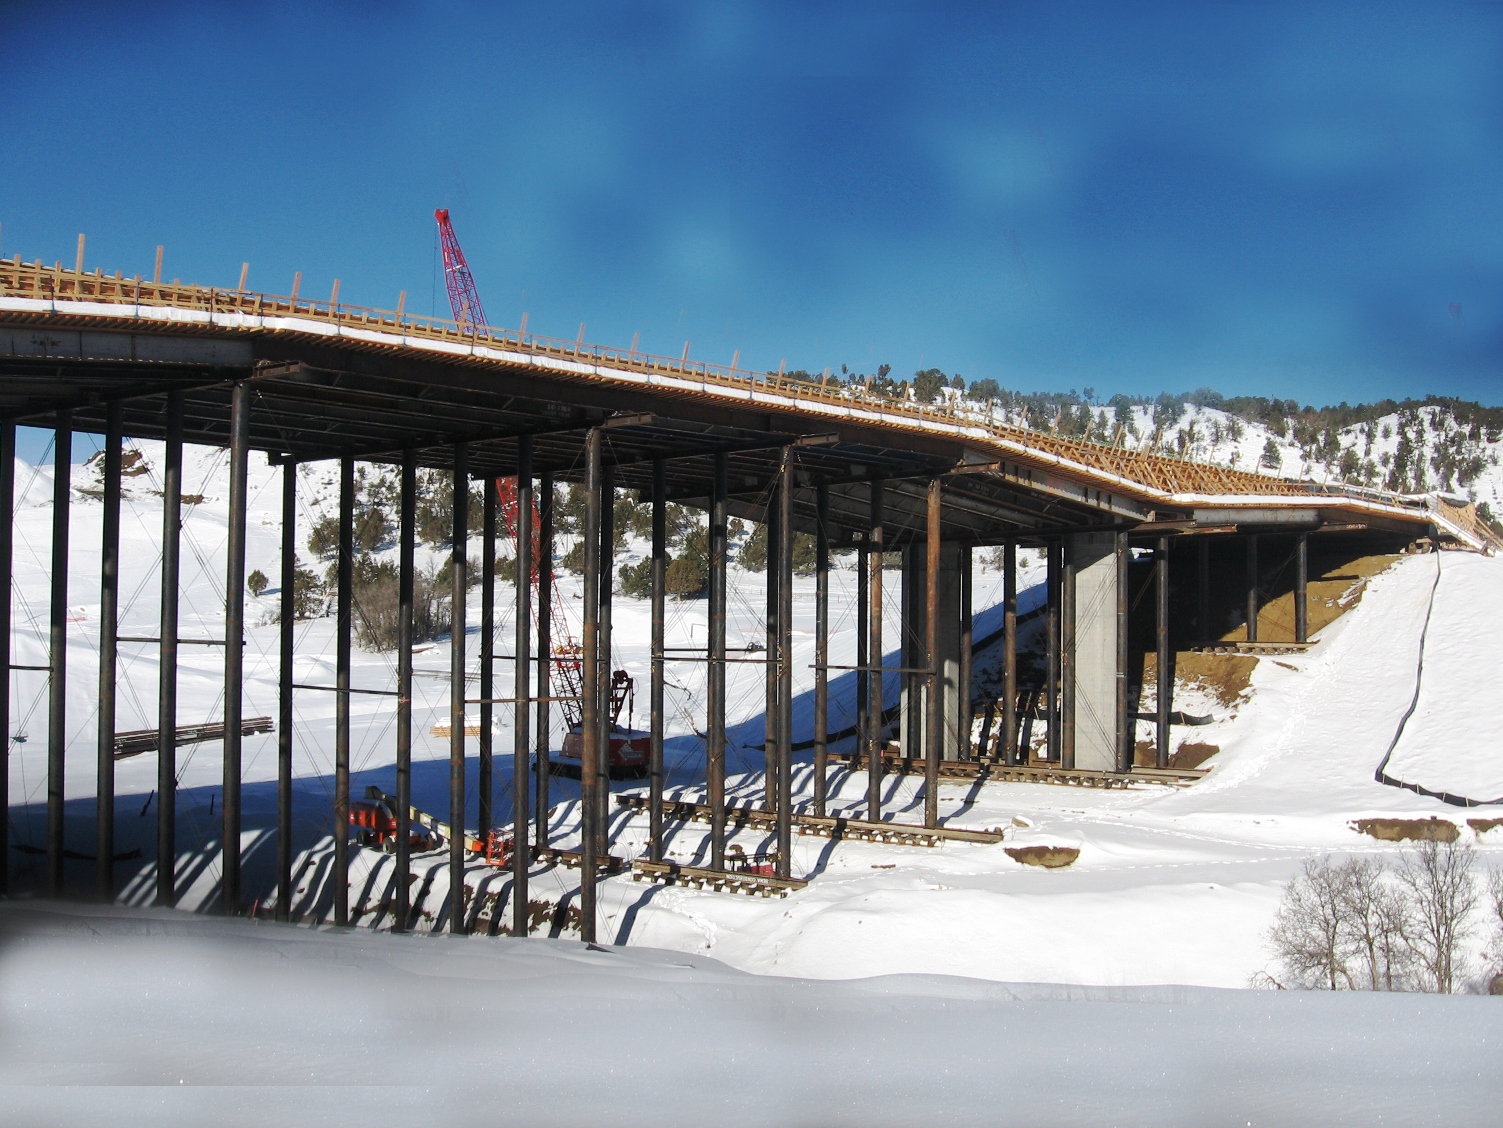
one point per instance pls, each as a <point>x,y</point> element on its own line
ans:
<point>1010,652</point>
<point>7,548</point>
<point>284,690</point>
<point>1126,727</point>
<point>603,686</point>
<point>1051,650</point>
<point>873,674</point>
<point>172,530</point>
<point>1252,587</point>
<point>591,753</point>
<point>521,858</point>
<point>1068,603</point>
<point>406,551</point>
<point>771,636</point>
<point>343,636</point>
<point>784,861</point>
<point>57,678</point>
<point>1165,695</point>
<point>1302,588</point>
<point>934,736</point>
<point>715,689</point>
<point>485,779</point>
<point>459,586</point>
<point>821,643</point>
<point>1203,590</point>
<point>544,653</point>
<point>964,719</point>
<point>863,606</point>
<point>655,707</point>
<point>234,644</point>
<point>109,623</point>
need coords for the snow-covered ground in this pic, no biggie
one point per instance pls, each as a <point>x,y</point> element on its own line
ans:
<point>140,1017</point>
<point>1171,886</point>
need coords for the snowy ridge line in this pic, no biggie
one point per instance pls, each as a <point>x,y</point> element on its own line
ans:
<point>1381,775</point>
<point>1300,495</point>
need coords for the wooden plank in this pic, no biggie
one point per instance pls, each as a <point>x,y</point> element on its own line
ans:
<point>137,741</point>
<point>722,881</point>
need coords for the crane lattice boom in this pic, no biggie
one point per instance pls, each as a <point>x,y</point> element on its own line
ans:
<point>464,299</point>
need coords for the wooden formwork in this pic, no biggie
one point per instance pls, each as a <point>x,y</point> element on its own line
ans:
<point>820,826</point>
<point>989,769</point>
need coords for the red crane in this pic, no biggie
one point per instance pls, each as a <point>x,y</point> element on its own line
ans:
<point>627,750</point>
<point>464,299</point>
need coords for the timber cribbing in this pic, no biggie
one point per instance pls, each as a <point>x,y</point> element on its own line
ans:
<point>38,292</point>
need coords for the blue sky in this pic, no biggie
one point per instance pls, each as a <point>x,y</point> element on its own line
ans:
<point>1300,201</point>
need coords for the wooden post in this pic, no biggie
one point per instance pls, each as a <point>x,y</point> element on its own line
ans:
<point>109,623</point>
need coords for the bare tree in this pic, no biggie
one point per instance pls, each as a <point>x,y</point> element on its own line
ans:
<point>1374,915</point>
<point>1437,877</point>
<point>1307,937</point>
<point>1495,896</point>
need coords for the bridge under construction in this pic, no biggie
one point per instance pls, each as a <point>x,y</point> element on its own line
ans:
<point>306,380</point>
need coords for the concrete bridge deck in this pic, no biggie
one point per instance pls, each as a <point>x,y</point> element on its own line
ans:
<point>334,380</point>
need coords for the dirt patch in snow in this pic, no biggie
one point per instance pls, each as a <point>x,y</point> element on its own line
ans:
<point>1222,676</point>
<point>1192,755</point>
<point>1336,585</point>
<point>1411,830</point>
<point>1482,826</point>
<point>1050,857</point>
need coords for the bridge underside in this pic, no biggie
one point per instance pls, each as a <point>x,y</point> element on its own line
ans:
<point>312,401</point>
<point>849,482</point>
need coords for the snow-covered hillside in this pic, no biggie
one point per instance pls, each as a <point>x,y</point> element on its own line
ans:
<point>1412,450</point>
